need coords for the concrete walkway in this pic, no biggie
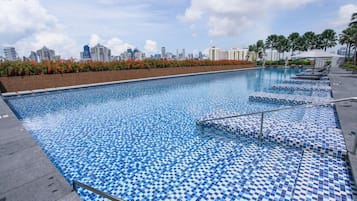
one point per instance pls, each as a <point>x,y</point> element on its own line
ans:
<point>344,85</point>
<point>25,171</point>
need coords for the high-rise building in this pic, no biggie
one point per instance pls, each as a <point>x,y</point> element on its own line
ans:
<point>100,53</point>
<point>237,54</point>
<point>232,54</point>
<point>10,53</point>
<point>163,52</point>
<point>85,55</point>
<point>46,54</point>
<point>33,56</point>
<point>183,53</point>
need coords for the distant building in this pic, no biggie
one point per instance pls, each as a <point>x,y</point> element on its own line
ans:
<point>33,56</point>
<point>232,54</point>
<point>85,55</point>
<point>163,52</point>
<point>343,51</point>
<point>10,53</point>
<point>217,54</point>
<point>100,53</point>
<point>237,54</point>
<point>200,55</point>
<point>46,54</point>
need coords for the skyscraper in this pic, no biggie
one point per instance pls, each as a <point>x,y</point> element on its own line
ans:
<point>46,54</point>
<point>33,56</point>
<point>10,53</point>
<point>85,55</point>
<point>100,53</point>
<point>163,52</point>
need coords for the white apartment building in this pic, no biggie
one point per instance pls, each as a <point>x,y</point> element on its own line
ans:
<point>232,54</point>
<point>100,53</point>
<point>10,53</point>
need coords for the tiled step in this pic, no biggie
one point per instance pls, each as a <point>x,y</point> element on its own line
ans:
<point>311,82</point>
<point>285,98</point>
<point>304,87</point>
<point>305,135</point>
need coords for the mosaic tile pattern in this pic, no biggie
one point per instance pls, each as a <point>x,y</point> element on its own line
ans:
<point>307,135</point>
<point>285,98</point>
<point>139,141</point>
<point>304,87</point>
<point>311,82</point>
<point>322,177</point>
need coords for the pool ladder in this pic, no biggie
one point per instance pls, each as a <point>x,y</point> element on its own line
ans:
<point>309,105</point>
<point>94,190</point>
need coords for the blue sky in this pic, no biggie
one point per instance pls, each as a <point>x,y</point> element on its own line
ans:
<point>67,25</point>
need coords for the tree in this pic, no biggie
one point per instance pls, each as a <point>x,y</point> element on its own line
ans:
<point>301,44</point>
<point>282,45</point>
<point>347,37</point>
<point>271,43</point>
<point>292,42</point>
<point>260,47</point>
<point>253,48</point>
<point>310,40</point>
<point>328,39</point>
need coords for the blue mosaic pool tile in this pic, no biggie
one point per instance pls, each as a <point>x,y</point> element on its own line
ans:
<point>322,177</point>
<point>320,138</point>
<point>303,87</point>
<point>311,82</point>
<point>285,98</point>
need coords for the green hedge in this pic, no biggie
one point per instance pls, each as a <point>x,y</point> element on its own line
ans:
<point>22,68</point>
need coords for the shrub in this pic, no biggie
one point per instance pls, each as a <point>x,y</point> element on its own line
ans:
<point>22,68</point>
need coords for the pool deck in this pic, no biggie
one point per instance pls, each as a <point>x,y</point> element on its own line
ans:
<point>25,171</point>
<point>344,85</point>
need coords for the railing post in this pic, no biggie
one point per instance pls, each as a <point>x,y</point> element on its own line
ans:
<point>261,126</point>
<point>74,186</point>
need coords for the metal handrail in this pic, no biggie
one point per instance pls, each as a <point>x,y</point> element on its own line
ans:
<point>94,190</point>
<point>282,108</point>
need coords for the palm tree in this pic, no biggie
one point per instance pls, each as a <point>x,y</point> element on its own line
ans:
<point>292,40</point>
<point>253,48</point>
<point>260,47</point>
<point>310,39</point>
<point>271,43</point>
<point>301,44</point>
<point>282,44</point>
<point>348,37</point>
<point>328,39</point>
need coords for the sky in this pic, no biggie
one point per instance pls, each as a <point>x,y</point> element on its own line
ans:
<point>67,25</point>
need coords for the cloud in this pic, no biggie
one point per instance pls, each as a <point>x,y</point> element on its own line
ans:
<point>118,46</point>
<point>344,15</point>
<point>232,17</point>
<point>94,40</point>
<point>150,46</point>
<point>27,25</point>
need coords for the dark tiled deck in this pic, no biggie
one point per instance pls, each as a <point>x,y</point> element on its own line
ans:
<point>25,171</point>
<point>344,84</point>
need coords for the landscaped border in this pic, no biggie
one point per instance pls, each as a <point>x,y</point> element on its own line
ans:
<point>35,82</point>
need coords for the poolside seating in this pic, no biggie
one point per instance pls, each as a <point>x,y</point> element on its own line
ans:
<point>310,136</point>
<point>285,98</point>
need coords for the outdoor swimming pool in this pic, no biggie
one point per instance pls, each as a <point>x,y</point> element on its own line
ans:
<point>140,141</point>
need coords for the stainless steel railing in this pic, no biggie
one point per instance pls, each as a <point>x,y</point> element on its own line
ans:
<point>352,99</point>
<point>94,190</point>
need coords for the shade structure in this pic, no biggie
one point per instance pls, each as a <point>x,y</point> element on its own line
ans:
<point>316,54</point>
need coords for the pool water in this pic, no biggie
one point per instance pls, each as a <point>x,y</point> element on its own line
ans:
<point>139,140</point>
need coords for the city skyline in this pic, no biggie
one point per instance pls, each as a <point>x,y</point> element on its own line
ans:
<point>149,25</point>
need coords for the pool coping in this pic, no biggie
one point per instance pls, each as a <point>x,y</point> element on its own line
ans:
<point>117,82</point>
<point>26,172</point>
